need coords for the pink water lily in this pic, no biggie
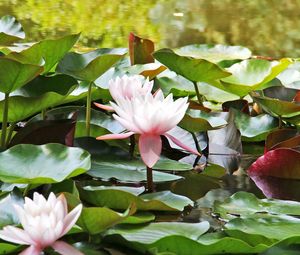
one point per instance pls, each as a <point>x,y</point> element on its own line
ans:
<point>126,87</point>
<point>150,116</point>
<point>44,222</point>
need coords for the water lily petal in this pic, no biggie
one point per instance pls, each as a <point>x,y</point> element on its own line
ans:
<point>115,136</point>
<point>71,218</point>
<point>180,144</point>
<point>15,235</point>
<point>150,149</point>
<point>104,107</point>
<point>31,250</point>
<point>65,249</point>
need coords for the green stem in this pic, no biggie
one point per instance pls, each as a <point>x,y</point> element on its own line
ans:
<point>26,190</point>
<point>10,132</point>
<point>196,141</point>
<point>198,93</point>
<point>132,146</point>
<point>280,123</point>
<point>43,114</point>
<point>149,180</point>
<point>4,121</point>
<point>88,110</point>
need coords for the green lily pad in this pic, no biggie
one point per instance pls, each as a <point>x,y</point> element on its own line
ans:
<point>193,69</point>
<point>179,238</point>
<point>14,75</point>
<point>270,226</point>
<point>254,128</point>
<point>89,66</point>
<point>41,93</point>
<point>246,204</point>
<point>50,163</point>
<point>198,121</point>
<point>8,215</point>
<point>250,75</point>
<point>277,107</point>
<point>50,51</point>
<point>214,53</point>
<point>120,198</point>
<point>10,30</point>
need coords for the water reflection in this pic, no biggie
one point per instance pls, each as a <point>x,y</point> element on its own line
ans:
<point>266,27</point>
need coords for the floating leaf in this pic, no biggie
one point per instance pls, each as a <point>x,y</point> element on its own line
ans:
<point>14,75</point>
<point>250,75</point>
<point>197,121</point>
<point>118,198</point>
<point>50,51</point>
<point>50,163</point>
<point>193,69</point>
<point>89,66</point>
<point>214,53</point>
<point>282,138</point>
<point>254,128</point>
<point>245,204</point>
<point>10,30</point>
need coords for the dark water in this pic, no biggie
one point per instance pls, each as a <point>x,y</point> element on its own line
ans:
<point>267,27</point>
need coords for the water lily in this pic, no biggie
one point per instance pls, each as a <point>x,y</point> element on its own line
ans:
<point>149,116</point>
<point>126,87</point>
<point>44,222</point>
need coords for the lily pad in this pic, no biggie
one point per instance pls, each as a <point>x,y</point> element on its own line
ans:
<point>89,66</point>
<point>26,163</point>
<point>254,128</point>
<point>245,204</point>
<point>118,198</point>
<point>193,69</point>
<point>14,74</point>
<point>214,53</point>
<point>250,75</point>
<point>140,50</point>
<point>197,121</point>
<point>50,51</point>
<point>10,30</point>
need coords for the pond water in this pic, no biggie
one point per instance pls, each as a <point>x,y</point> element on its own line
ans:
<point>266,27</point>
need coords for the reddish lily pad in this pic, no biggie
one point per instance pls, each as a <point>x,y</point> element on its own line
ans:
<point>282,138</point>
<point>282,163</point>
<point>140,50</point>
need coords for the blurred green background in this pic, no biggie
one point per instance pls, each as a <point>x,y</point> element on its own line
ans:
<point>267,27</point>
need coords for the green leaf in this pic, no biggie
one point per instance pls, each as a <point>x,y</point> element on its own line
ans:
<point>214,53</point>
<point>41,93</point>
<point>179,238</point>
<point>277,107</point>
<point>90,221</point>
<point>270,226</point>
<point>89,66</point>
<point>246,204</point>
<point>198,121</point>
<point>250,75</point>
<point>48,163</point>
<point>10,30</point>
<point>118,198</point>
<point>254,128</point>
<point>50,51</point>
<point>8,215</point>
<point>14,75</point>
<point>193,69</point>
<point>156,231</point>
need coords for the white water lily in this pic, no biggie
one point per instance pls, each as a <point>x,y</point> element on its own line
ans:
<point>44,222</point>
<point>127,87</point>
<point>150,116</point>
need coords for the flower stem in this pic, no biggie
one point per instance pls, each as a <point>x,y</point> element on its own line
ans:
<point>10,132</point>
<point>280,124</point>
<point>4,121</point>
<point>198,93</point>
<point>43,114</point>
<point>132,146</point>
<point>149,180</point>
<point>88,110</point>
